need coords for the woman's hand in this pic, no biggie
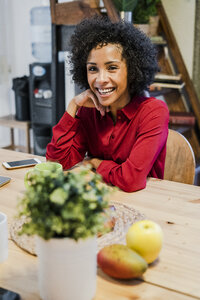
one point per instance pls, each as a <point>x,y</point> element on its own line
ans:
<point>89,99</point>
<point>86,99</point>
<point>95,162</point>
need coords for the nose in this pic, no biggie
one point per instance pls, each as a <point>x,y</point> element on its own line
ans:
<point>102,77</point>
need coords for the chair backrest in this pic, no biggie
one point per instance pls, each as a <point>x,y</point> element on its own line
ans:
<point>180,160</point>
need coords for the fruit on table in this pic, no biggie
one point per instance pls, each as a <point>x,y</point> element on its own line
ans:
<point>146,238</point>
<point>121,262</point>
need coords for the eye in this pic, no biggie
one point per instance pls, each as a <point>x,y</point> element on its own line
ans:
<point>92,68</point>
<point>112,67</point>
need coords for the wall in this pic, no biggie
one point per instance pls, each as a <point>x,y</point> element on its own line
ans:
<point>181,15</point>
<point>15,25</point>
<point>5,103</point>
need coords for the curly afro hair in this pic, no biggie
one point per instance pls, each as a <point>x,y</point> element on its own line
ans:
<point>138,51</point>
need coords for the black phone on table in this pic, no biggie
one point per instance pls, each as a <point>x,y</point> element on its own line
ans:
<point>8,295</point>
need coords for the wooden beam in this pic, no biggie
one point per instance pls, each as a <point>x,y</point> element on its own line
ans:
<point>53,11</point>
<point>196,61</point>
<point>111,11</point>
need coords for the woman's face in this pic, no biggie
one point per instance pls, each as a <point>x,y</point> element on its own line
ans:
<point>107,75</point>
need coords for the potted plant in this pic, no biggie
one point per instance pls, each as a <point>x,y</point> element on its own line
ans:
<point>145,14</point>
<point>125,7</point>
<point>64,211</point>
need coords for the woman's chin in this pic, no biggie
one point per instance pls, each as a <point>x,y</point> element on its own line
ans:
<point>105,102</point>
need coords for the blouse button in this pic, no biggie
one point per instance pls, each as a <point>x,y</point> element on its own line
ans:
<point>119,117</point>
<point>69,122</point>
<point>112,136</point>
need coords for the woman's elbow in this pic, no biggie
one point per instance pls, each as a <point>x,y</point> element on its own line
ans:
<point>132,186</point>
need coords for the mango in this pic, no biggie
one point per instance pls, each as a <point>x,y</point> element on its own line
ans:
<point>121,262</point>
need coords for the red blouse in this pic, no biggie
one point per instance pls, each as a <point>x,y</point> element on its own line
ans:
<point>131,149</point>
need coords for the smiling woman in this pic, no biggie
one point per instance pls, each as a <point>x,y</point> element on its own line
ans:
<point>123,132</point>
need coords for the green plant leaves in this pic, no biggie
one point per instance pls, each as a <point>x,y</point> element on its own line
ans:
<point>143,10</point>
<point>125,5</point>
<point>58,196</point>
<point>64,205</point>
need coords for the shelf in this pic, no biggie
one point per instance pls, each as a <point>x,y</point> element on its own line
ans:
<point>182,118</point>
<point>10,122</point>
<point>167,85</point>
<point>174,85</point>
<point>158,40</point>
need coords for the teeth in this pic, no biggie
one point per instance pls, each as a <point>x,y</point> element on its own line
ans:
<point>105,91</point>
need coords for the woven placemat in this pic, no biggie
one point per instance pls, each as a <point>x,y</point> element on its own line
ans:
<point>125,217</point>
<point>124,214</point>
<point>24,241</point>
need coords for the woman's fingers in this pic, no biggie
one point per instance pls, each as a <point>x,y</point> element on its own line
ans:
<point>89,99</point>
<point>107,109</point>
<point>85,99</point>
<point>98,105</point>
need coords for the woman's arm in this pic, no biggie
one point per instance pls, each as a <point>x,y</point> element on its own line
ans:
<point>148,151</point>
<point>68,145</point>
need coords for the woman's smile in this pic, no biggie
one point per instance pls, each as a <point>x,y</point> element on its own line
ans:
<point>105,91</point>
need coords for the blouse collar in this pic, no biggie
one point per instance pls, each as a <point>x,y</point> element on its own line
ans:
<point>131,108</point>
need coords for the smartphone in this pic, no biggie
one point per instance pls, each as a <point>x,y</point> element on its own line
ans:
<point>4,180</point>
<point>8,295</point>
<point>21,163</point>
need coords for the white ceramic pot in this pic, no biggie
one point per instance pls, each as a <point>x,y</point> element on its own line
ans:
<point>67,269</point>
<point>126,16</point>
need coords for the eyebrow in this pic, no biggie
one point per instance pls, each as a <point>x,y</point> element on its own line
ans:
<point>107,63</point>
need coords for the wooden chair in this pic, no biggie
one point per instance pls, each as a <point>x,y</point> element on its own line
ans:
<point>180,160</point>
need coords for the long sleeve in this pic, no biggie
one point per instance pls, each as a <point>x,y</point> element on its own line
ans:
<point>68,143</point>
<point>131,150</point>
<point>147,155</point>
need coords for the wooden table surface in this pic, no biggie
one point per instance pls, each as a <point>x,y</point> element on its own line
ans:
<point>175,275</point>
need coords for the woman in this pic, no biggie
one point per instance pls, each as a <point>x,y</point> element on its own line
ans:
<point>122,131</point>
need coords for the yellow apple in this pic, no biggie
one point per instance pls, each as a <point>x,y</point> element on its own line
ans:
<point>146,238</point>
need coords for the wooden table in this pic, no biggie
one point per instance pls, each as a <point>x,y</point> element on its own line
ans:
<point>176,275</point>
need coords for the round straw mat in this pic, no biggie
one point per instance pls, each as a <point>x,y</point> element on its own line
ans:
<point>124,217</point>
